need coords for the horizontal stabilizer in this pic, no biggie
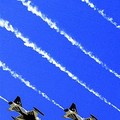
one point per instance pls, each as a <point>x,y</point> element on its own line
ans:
<point>38,111</point>
<point>66,110</point>
<point>13,118</point>
<point>10,103</point>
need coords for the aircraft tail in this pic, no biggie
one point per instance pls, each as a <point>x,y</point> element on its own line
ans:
<point>38,111</point>
<point>17,101</point>
<point>15,105</point>
<point>73,107</point>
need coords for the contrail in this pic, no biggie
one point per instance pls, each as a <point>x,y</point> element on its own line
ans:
<point>3,99</point>
<point>27,83</point>
<point>22,107</point>
<point>53,25</point>
<point>5,24</point>
<point>101,12</point>
<point>7,100</point>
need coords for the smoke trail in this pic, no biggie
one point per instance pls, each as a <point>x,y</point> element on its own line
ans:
<point>53,25</point>
<point>7,102</point>
<point>3,99</point>
<point>101,12</point>
<point>45,55</point>
<point>27,83</point>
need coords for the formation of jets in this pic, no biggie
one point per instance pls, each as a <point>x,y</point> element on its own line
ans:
<point>16,105</point>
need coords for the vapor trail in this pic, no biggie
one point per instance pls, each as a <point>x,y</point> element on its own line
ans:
<point>3,99</point>
<point>5,24</point>
<point>53,25</point>
<point>101,12</point>
<point>6,100</point>
<point>27,83</point>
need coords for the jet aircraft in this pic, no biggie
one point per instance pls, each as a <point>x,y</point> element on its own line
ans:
<point>16,105</point>
<point>72,113</point>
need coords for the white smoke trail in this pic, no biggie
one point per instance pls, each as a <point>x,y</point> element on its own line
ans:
<point>5,24</point>
<point>7,101</point>
<point>27,83</point>
<point>53,25</point>
<point>3,99</point>
<point>101,12</point>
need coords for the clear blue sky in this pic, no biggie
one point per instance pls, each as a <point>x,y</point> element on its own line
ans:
<point>94,32</point>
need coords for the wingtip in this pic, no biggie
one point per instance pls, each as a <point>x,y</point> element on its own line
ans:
<point>38,111</point>
<point>93,116</point>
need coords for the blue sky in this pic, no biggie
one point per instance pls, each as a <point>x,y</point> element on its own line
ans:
<point>75,60</point>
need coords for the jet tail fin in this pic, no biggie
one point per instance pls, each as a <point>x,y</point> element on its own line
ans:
<point>38,111</point>
<point>73,107</point>
<point>18,101</point>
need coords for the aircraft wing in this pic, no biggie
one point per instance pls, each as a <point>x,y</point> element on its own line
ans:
<point>34,113</point>
<point>38,111</point>
<point>20,117</point>
<point>91,118</point>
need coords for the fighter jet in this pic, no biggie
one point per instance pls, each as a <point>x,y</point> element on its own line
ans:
<point>16,105</point>
<point>72,113</point>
